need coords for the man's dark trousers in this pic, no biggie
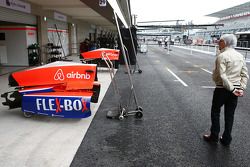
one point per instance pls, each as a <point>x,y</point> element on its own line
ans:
<point>229,100</point>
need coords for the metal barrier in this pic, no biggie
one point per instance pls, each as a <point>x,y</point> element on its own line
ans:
<point>205,47</point>
<point>244,51</point>
<point>213,48</point>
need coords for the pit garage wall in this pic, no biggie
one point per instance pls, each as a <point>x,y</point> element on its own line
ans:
<point>17,39</point>
<point>83,30</point>
<point>61,32</point>
<point>14,48</point>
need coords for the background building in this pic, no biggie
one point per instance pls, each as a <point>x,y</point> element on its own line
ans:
<point>235,19</point>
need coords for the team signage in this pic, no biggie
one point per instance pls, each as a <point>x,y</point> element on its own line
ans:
<point>66,107</point>
<point>16,5</point>
<point>60,17</point>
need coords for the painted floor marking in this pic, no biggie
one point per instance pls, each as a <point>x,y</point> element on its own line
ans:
<point>208,87</point>
<point>181,81</point>
<point>206,70</point>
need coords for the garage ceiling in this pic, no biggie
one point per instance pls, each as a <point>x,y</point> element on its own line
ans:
<point>77,10</point>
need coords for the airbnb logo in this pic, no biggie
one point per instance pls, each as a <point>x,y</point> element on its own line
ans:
<point>59,75</point>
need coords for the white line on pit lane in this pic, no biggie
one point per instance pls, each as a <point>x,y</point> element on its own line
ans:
<point>206,70</point>
<point>208,87</point>
<point>181,81</point>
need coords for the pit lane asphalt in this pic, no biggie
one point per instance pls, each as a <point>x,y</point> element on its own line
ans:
<point>175,118</point>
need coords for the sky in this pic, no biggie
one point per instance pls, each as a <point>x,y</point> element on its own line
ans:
<point>188,10</point>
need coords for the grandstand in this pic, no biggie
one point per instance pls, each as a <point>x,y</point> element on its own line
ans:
<point>235,19</point>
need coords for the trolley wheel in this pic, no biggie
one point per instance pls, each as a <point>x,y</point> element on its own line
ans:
<point>27,114</point>
<point>121,117</point>
<point>138,114</point>
<point>139,108</point>
<point>140,71</point>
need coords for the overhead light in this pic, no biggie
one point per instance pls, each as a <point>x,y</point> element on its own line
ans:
<point>45,18</point>
<point>117,10</point>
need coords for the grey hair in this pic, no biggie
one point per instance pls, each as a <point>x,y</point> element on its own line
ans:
<point>230,40</point>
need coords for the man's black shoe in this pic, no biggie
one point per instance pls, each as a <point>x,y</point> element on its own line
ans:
<point>224,143</point>
<point>210,138</point>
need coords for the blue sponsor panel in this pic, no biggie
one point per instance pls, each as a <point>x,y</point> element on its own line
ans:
<point>57,106</point>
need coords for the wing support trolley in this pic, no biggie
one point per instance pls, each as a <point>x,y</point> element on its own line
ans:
<point>109,56</point>
<point>124,112</point>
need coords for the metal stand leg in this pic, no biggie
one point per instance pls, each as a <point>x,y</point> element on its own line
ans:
<point>129,63</point>
<point>138,111</point>
<point>113,113</point>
